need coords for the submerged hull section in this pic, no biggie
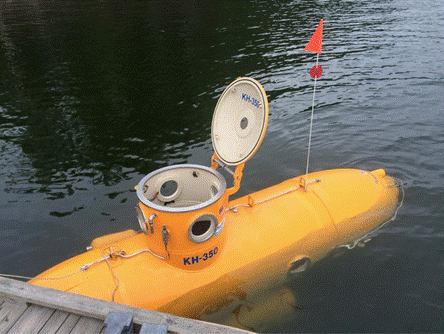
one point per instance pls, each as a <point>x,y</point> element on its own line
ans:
<point>266,236</point>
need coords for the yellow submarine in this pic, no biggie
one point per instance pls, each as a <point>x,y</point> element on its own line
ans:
<point>199,255</point>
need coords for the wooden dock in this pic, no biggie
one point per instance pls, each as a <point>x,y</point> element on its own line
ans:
<point>25,308</point>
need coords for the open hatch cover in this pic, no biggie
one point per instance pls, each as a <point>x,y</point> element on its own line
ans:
<point>239,121</point>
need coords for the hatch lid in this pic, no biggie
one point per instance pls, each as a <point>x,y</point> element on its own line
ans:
<point>239,121</point>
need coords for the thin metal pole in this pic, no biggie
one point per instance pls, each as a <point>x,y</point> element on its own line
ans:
<point>311,125</point>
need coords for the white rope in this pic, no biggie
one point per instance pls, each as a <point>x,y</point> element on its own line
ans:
<point>263,200</point>
<point>142,251</point>
<point>39,278</point>
<point>233,208</point>
<point>85,267</point>
<point>311,124</point>
<point>277,195</point>
<point>114,275</point>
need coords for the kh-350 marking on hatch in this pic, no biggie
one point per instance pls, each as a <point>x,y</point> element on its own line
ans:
<point>251,100</point>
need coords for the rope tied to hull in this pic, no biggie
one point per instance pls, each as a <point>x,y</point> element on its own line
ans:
<point>85,267</point>
<point>106,258</point>
<point>250,204</point>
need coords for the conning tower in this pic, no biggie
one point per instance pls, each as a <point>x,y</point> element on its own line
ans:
<point>182,208</point>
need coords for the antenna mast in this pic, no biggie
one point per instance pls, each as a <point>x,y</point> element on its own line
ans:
<point>314,45</point>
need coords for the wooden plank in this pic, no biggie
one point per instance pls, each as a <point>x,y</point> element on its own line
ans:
<point>54,323</point>
<point>5,299</point>
<point>95,308</point>
<point>10,312</point>
<point>69,302</point>
<point>7,304</point>
<point>68,324</point>
<point>88,325</point>
<point>32,320</point>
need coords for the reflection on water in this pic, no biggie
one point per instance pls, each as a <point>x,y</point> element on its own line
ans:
<point>95,95</point>
<point>91,97</point>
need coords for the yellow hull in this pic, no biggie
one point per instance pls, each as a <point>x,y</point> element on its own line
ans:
<point>266,236</point>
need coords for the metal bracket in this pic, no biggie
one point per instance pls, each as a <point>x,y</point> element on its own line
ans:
<point>165,238</point>
<point>237,179</point>
<point>222,165</point>
<point>237,174</point>
<point>304,183</point>
<point>151,219</point>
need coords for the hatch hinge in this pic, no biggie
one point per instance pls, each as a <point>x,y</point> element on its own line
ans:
<point>237,174</point>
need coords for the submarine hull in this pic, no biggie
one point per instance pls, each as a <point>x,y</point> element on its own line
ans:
<point>268,236</point>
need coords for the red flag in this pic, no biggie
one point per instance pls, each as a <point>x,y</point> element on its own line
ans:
<point>315,43</point>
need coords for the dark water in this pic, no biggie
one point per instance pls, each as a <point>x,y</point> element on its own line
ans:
<point>95,94</point>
